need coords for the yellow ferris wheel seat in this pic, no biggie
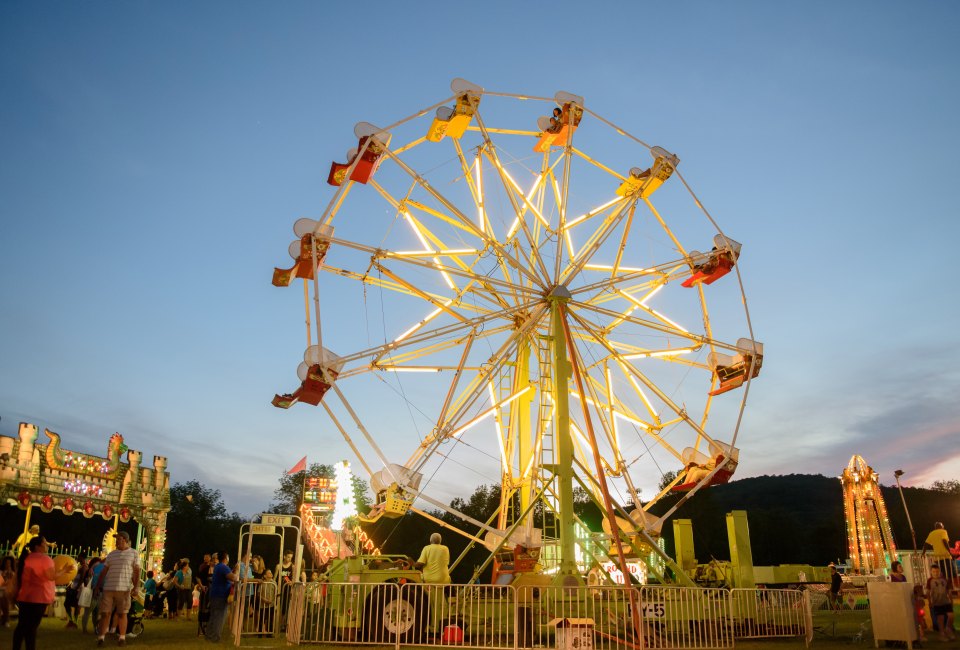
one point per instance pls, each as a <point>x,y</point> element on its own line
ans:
<point>453,122</point>
<point>643,183</point>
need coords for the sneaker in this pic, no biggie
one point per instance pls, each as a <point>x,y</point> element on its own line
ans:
<point>100,642</point>
<point>121,642</point>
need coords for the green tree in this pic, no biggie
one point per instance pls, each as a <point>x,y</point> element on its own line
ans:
<point>198,523</point>
<point>289,494</point>
<point>666,479</point>
<point>949,487</point>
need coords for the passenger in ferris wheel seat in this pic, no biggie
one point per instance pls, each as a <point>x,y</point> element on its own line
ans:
<point>556,121</point>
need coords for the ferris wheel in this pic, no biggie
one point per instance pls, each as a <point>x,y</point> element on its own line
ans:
<point>512,287</point>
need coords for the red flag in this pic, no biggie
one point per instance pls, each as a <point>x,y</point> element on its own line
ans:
<point>299,467</point>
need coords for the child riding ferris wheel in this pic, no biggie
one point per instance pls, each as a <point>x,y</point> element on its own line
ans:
<point>505,298</point>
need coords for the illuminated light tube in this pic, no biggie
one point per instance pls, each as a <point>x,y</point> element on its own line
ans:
<point>447,252</point>
<point>642,393</point>
<point>481,213</point>
<point>659,315</point>
<point>592,213</point>
<point>659,353</point>
<point>488,412</point>
<point>429,317</point>
<point>651,295</point>
<point>416,230</point>
<point>609,267</point>
<point>529,195</point>
<point>505,468</point>
<point>604,407</point>
<point>580,436</point>
<point>529,205</point>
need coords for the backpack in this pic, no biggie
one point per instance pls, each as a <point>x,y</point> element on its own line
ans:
<point>187,581</point>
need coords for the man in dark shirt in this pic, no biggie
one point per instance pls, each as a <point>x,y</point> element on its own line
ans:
<point>836,585</point>
<point>220,582</point>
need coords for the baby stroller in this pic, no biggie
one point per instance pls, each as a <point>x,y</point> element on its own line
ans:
<point>135,618</point>
<point>203,614</point>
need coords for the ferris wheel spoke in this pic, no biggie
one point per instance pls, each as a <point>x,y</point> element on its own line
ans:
<point>640,376</point>
<point>510,186</point>
<point>596,240</point>
<point>426,336</point>
<point>652,325</point>
<point>490,241</point>
<point>659,273</point>
<point>512,190</point>
<point>415,258</point>
<point>453,426</point>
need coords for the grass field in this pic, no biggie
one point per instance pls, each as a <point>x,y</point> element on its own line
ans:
<point>833,630</point>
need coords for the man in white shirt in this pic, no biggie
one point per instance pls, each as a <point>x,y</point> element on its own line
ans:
<point>118,582</point>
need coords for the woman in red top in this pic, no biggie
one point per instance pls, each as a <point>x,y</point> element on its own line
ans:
<point>37,589</point>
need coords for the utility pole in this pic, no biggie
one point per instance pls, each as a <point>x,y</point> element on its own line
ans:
<point>897,474</point>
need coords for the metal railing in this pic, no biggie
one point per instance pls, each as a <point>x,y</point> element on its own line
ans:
<point>491,617</point>
<point>682,617</point>
<point>769,613</point>
<point>255,610</point>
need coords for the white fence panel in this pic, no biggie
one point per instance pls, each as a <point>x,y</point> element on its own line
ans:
<point>471,616</point>
<point>355,613</point>
<point>682,617</point>
<point>254,611</point>
<point>768,613</point>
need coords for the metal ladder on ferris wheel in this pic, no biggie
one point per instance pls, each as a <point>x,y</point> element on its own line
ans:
<point>547,452</point>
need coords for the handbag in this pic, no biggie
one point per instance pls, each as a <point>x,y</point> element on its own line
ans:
<point>86,596</point>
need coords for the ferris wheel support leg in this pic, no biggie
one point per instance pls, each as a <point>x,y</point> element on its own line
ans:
<point>561,368</point>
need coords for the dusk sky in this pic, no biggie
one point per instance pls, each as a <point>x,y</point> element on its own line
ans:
<point>153,157</point>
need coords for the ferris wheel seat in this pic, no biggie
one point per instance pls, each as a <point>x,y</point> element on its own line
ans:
<point>311,391</point>
<point>642,183</point>
<point>303,267</point>
<point>392,503</point>
<point>558,133</point>
<point>365,166</point>
<point>697,472</point>
<point>710,267</point>
<point>712,270</point>
<point>453,122</point>
<point>733,371</point>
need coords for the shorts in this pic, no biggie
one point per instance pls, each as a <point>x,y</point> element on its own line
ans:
<point>941,610</point>
<point>114,600</point>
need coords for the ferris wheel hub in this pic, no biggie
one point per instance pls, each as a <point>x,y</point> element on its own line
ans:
<point>559,292</point>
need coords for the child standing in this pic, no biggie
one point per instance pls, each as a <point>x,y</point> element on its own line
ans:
<point>941,603</point>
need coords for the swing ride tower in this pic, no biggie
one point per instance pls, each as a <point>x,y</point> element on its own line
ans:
<point>532,317</point>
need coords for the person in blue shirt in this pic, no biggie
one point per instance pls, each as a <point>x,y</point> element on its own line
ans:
<point>149,592</point>
<point>220,582</point>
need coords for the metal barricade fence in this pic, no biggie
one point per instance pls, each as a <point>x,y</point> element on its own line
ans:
<point>682,617</point>
<point>579,616</point>
<point>471,616</point>
<point>492,617</point>
<point>768,613</point>
<point>356,613</point>
<point>254,611</point>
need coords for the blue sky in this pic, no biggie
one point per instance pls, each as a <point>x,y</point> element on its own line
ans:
<point>154,155</point>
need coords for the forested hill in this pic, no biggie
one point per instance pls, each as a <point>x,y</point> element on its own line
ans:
<point>798,518</point>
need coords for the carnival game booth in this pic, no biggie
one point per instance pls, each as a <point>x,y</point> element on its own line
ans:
<point>51,478</point>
